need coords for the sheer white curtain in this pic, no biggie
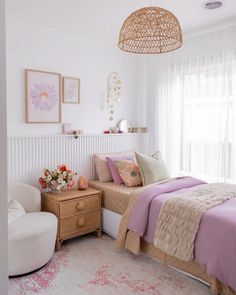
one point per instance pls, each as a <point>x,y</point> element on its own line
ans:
<point>193,107</point>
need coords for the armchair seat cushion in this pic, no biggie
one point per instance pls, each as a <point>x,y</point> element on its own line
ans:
<point>30,225</point>
<point>31,241</point>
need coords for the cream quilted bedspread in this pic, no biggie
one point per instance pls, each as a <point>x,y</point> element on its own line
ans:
<point>180,217</point>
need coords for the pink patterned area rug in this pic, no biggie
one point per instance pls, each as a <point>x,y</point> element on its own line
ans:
<point>93,266</point>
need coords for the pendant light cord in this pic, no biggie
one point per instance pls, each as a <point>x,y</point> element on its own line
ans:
<point>150,3</point>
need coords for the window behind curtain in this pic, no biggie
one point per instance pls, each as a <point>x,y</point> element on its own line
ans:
<point>207,129</point>
<point>193,122</point>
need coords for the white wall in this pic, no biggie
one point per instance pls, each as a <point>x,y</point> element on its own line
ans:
<point>3,157</point>
<point>48,151</point>
<point>76,38</point>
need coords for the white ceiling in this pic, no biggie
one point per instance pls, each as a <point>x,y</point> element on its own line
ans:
<point>194,17</point>
<point>108,15</point>
<point>190,13</point>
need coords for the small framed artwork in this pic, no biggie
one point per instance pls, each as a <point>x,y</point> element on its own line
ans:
<point>71,90</point>
<point>43,97</point>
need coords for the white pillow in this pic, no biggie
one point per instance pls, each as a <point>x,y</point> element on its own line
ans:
<point>15,210</point>
<point>152,168</point>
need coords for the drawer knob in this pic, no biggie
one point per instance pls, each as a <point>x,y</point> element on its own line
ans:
<point>80,205</point>
<point>81,222</point>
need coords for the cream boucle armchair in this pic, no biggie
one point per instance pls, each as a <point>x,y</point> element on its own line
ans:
<point>31,237</point>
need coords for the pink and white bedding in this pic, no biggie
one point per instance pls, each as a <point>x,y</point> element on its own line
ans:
<point>215,244</point>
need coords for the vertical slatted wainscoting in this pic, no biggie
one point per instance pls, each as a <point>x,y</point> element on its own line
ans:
<point>27,156</point>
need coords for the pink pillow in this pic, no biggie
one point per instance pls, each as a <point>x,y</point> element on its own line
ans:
<point>111,163</point>
<point>129,172</point>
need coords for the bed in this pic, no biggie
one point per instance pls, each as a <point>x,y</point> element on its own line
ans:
<point>115,202</point>
<point>115,197</point>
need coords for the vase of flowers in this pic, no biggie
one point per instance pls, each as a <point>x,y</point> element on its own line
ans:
<point>57,180</point>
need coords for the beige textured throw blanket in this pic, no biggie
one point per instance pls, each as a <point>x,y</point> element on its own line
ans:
<point>180,217</point>
<point>126,238</point>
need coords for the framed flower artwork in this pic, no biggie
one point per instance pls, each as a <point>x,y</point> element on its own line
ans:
<point>71,90</point>
<point>43,97</point>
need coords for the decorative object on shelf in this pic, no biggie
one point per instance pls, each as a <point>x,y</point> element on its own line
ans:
<point>67,129</point>
<point>106,132</point>
<point>125,126</point>
<point>139,129</point>
<point>71,90</point>
<point>76,133</point>
<point>43,97</point>
<point>57,180</point>
<point>82,183</point>
<point>113,92</point>
<point>114,130</point>
<point>150,30</point>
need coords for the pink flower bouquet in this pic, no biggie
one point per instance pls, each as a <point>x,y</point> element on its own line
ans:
<point>58,179</point>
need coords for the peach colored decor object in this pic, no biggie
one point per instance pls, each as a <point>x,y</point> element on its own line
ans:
<point>82,183</point>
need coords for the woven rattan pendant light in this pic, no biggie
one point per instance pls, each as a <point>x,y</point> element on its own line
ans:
<point>151,30</point>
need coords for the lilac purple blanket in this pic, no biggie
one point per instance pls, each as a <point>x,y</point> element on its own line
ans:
<point>215,244</point>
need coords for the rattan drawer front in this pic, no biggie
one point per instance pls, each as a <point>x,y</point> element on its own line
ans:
<point>78,206</point>
<point>79,223</point>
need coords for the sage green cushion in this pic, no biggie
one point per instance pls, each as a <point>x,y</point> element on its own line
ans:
<point>152,168</point>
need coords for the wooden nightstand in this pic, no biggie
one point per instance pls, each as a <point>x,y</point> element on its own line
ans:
<point>78,212</point>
